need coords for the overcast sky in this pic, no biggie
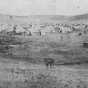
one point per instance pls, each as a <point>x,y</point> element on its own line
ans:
<point>43,7</point>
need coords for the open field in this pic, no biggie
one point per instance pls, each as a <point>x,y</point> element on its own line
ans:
<point>22,63</point>
<point>23,50</point>
<point>21,74</point>
<point>35,49</point>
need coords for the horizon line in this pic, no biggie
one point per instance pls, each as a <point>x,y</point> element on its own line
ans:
<point>41,15</point>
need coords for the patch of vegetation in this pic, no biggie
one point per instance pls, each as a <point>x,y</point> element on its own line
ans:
<point>46,81</point>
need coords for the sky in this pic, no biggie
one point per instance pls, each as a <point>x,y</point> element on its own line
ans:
<point>43,7</point>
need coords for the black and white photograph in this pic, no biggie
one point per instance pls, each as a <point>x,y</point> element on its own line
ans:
<point>43,43</point>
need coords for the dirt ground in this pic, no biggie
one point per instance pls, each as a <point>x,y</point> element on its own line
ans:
<point>13,72</point>
<point>24,68</point>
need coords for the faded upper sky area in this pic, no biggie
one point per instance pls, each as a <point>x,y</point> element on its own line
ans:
<point>43,7</point>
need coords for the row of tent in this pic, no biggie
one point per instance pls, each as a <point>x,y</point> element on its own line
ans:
<point>37,29</point>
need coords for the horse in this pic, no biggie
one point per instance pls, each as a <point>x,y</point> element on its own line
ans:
<point>85,45</point>
<point>49,62</point>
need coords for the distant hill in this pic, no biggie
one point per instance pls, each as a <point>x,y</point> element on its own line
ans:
<point>32,18</point>
<point>79,17</point>
<point>42,18</point>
